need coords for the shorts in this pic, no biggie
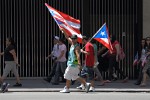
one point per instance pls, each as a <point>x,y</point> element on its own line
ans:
<point>10,66</point>
<point>71,73</point>
<point>84,73</point>
<point>87,72</point>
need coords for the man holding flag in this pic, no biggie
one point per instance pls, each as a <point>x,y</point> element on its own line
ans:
<point>73,64</point>
<point>89,62</point>
<point>102,37</point>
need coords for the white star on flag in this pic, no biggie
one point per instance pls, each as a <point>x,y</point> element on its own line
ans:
<point>103,33</point>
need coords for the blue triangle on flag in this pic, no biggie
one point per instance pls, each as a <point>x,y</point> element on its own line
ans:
<point>102,33</point>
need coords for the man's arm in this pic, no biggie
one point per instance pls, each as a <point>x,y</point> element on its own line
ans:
<point>101,50</point>
<point>85,52</point>
<point>14,56</point>
<point>51,54</point>
<point>66,36</point>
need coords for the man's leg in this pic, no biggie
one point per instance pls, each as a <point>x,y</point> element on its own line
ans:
<point>99,75</point>
<point>140,77</point>
<point>63,68</point>
<point>52,73</point>
<point>57,74</point>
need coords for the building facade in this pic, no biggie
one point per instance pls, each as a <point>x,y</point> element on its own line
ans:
<point>31,25</point>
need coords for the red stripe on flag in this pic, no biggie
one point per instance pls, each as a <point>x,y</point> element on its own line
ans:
<point>66,22</point>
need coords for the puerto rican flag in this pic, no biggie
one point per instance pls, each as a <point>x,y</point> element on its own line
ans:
<point>103,37</point>
<point>68,23</point>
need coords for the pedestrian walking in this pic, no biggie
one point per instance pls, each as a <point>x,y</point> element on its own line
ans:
<point>61,61</point>
<point>113,58</point>
<point>54,56</point>
<point>11,61</point>
<point>96,63</point>
<point>89,62</point>
<point>73,64</point>
<point>142,57</point>
<point>146,68</point>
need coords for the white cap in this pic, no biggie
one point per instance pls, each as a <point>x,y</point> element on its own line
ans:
<point>56,37</point>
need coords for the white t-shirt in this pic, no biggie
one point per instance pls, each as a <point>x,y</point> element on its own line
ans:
<point>143,54</point>
<point>54,51</point>
<point>62,48</point>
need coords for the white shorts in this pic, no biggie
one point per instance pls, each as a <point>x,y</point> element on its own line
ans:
<point>71,73</point>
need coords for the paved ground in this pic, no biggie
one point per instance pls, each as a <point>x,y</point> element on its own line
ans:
<point>39,85</point>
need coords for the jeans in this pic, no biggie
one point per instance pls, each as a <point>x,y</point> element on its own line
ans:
<point>52,73</point>
<point>60,68</point>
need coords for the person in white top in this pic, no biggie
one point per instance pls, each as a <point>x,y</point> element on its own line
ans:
<point>53,55</point>
<point>146,69</point>
<point>61,61</point>
<point>142,57</point>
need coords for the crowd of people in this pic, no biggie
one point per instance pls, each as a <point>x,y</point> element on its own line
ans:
<point>86,71</point>
<point>73,68</point>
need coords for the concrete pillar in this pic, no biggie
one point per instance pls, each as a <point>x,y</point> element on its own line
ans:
<point>146,18</point>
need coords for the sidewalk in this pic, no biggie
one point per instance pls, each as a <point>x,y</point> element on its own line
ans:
<point>39,85</point>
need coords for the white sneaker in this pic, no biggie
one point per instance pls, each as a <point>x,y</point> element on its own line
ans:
<point>92,89</point>
<point>88,87</point>
<point>81,87</point>
<point>65,90</point>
